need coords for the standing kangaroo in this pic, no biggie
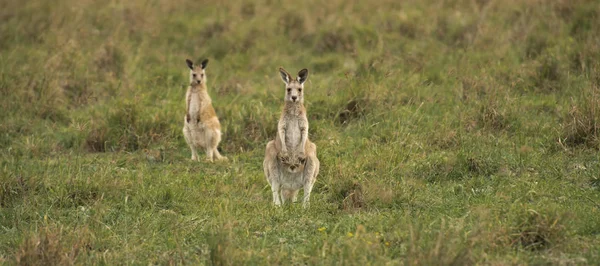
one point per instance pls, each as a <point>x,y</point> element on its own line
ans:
<point>291,159</point>
<point>201,127</point>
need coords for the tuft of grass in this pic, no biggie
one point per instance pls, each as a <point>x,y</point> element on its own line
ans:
<point>447,248</point>
<point>582,123</point>
<point>219,248</point>
<point>110,60</point>
<point>53,246</point>
<point>97,140</point>
<point>536,43</point>
<point>537,231</point>
<point>352,197</point>
<point>354,109</point>
<point>14,189</point>
<point>257,124</point>
<point>455,167</point>
<point>549,74</point>
<point>339,40</point>
<point>126,129</point>
<point>293,25</point>
<point>347,195</point>
<point>491,117</point>
<point>78,194</point>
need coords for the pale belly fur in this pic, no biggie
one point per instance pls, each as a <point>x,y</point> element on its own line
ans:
<point>196,129</point>
<point>194,108</point>
<point>292,135</point>
<point>291,181</point>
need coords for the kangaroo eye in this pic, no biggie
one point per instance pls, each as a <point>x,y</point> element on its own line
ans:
<point>289,89</point>
<point>194,75</point>
<point>299,90</point>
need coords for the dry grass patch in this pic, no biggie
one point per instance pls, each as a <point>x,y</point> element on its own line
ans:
<point>354,109</point>
<point>582,123</point>
<point>54,246</point>
<point>536,231</point>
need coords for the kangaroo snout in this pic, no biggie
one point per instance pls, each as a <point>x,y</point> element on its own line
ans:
<point>294,98</point>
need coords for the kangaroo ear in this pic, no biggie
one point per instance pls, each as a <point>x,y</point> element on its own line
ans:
<point>302,75</point>
<point>204,63</point>
<point>190,64</point>
<point>285,76</point>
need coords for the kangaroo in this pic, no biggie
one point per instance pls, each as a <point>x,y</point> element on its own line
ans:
<point>291,159</point>
<point>201,127</point>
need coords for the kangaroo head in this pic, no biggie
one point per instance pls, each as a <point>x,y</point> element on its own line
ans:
<point>294,88</point>
<point>197,73</point>
<point>294,164</point>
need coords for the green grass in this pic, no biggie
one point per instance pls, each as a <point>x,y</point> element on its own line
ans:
<point>449,132</point>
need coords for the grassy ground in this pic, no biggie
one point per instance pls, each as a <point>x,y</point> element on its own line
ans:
<point>449,132</point>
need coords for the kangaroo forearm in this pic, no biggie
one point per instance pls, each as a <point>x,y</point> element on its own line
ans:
<point>282,138</point>
<point>303,145</point>
<point>303,138</point>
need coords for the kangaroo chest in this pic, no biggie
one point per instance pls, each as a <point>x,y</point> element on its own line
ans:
<point>293,133</point>
<point>196,101</point>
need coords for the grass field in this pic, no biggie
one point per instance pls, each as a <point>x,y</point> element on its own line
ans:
<point>449,132</point>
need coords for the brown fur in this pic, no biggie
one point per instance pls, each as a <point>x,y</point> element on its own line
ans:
<point>286,181</point>
<point>291,111</point>
<point>291,159</point>
<point>206,113</point>
<point>201,125</point>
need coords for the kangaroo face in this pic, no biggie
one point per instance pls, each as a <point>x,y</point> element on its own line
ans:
<point>294,88</point>
<point>197,73</point>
